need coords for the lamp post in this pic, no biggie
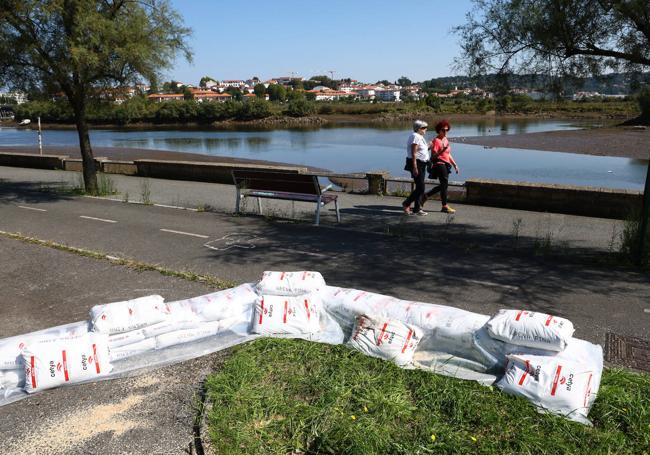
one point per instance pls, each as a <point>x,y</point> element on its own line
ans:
<point>40,138</point>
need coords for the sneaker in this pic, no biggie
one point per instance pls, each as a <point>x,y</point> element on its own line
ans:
<point>447,209</point>
<point>421,213</point>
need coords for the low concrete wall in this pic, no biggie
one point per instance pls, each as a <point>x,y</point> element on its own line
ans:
<point>76,164</point>
<point>572,200</point>
<point>200,171</point>
<point>32,161</point>
<point>119,167</point>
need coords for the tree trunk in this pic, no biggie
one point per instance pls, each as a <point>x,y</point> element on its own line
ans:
<point>87,158</point>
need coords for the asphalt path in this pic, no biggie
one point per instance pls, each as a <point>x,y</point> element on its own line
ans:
<point>471,267</point>
<point>596,298</point>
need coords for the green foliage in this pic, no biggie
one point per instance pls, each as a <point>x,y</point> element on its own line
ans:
<point>557,37</point>
<point>254,109</point>
<point>259,90</point>
<point>404,81</point>
<point>433,102</point>
<point>643,99</point>
<point>299,107</point>
<point>293,396</point>
<point>276,92</point>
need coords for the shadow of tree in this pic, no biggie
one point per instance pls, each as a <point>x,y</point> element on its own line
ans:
<point>33,192</point>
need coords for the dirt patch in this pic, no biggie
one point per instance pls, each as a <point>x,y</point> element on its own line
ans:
<point>64,432</point>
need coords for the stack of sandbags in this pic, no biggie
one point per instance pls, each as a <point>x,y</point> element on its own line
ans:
<point>447,344</point>
<point>12,365</point>
<point>288,304</point>
<point>543,362</point>
<point>141,325</point>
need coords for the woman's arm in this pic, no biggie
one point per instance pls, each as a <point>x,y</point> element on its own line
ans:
<point>414,152</point>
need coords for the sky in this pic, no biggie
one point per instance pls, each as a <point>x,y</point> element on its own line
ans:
<point>358,39</point>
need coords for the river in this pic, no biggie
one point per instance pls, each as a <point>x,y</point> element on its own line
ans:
<point>359,149</point>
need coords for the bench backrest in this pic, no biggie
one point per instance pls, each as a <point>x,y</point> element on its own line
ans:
<point>288,182</point>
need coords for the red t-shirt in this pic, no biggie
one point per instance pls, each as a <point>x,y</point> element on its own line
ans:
<point>436,146</point>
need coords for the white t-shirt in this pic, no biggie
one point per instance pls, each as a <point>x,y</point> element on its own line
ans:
<point>422,152</point>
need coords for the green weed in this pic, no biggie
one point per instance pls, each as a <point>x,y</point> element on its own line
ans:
<point>276,396</point>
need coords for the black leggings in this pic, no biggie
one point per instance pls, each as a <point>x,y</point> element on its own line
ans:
<point>418,192</point>
<point>442,172</point>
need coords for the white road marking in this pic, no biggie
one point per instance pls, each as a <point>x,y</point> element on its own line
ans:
<point>186,233</point>
<point>31,208</point>
<point>491,284</point>
<point>308,253</point>
<point>229,241</point>
<point>97,219</point>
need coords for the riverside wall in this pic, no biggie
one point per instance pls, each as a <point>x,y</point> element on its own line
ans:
<point>566,199</point>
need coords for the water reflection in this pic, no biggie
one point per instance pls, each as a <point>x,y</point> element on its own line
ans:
<point>358,148</point>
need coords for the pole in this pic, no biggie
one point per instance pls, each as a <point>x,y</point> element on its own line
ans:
<point>40,138</point>
<point>643,222</point>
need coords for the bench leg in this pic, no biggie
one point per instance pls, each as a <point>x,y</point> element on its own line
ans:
<point>237,200</point>
<point>259,204</point>
<point>338,214</point>
<point>318,211</point>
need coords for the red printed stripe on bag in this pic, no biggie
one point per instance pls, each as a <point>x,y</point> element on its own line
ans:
<point>284,318</point>
<point>96,359</point>
<point>523,376</point>
<point>588,392</point>
<point>32,372</point>
<point>548,321</point>
<point>65,365</point>
<point>307,308</point>
<point>519,315</point>
<point>261,312</point>
<point>408,338</point>
<point>556,379</point>
<point>282,276</point>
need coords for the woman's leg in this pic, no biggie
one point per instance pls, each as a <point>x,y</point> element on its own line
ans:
<point>444,184</point>
<point>416,194</point>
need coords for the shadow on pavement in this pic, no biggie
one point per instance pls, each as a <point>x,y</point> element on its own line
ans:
<point>33,192</point>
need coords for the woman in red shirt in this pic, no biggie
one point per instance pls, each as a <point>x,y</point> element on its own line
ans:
<point>441,163</point>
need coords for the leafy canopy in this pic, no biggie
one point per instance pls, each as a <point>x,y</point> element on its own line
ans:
<point>74,45</point>
<point>560,37</point>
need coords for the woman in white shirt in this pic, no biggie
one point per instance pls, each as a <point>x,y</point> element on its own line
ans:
<point>417,155</point>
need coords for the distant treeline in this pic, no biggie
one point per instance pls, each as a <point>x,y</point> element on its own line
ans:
<point>606,84</point>
<point>140,110</point>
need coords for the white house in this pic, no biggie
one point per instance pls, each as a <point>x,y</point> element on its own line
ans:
<point>388,95</point>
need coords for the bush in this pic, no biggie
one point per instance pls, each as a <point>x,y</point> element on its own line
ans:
<point>254,109</point>
<point>299,108</point>
<point>643,98</point>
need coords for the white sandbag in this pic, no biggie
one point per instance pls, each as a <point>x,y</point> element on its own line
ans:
<point>121,339</point>
<point>203,330</point>
<point>290,283</point>
<point>286,315</point>
<point>128,315</point>
<point>168,326</point>
<point>49,365</point>
<point>129,350</point>
<point>224,304</point>
<point>532,329</point>
<point>385,338</point>
<point>10,348</point>
<point>553,384</point>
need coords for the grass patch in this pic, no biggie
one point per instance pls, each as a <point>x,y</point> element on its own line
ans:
<point>276,396</point>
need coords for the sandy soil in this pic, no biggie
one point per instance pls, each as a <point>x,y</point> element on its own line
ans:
<point>621,142</point>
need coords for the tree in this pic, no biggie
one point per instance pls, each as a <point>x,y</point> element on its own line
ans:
<point>259,90</point>
<point>83,47</point>
<point>404,81</point>
<point>276,92</point>
<point>561,37</point>
<point>204,80</point>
